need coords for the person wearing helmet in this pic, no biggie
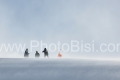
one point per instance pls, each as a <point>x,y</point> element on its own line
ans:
<point>26,54</point>
<point>45,51</point>
<point>37,55</point>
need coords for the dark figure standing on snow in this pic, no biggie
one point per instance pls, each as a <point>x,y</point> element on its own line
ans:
<point>37,55</point>
<point>45,52</point>
<point>26,53</point>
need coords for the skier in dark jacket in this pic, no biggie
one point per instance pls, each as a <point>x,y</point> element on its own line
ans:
<point>37,55</point>
<point>45,52</point>
<point>26,54</point>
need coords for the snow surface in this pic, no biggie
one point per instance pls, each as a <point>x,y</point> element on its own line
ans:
<point>58,69</point>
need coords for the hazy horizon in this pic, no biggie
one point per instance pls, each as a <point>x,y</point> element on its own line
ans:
<point>60,20</point>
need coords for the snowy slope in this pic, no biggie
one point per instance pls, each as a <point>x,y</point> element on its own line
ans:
<point>58,69</point>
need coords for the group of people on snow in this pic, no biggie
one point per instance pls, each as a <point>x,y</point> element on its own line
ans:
<point>37,55</point>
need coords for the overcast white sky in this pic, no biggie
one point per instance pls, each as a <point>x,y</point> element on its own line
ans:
<point>59,20</point>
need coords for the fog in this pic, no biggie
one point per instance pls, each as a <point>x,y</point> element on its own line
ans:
<point>59,20</point>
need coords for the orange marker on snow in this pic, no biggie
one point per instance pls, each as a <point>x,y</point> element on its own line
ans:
<point>59,55</point>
